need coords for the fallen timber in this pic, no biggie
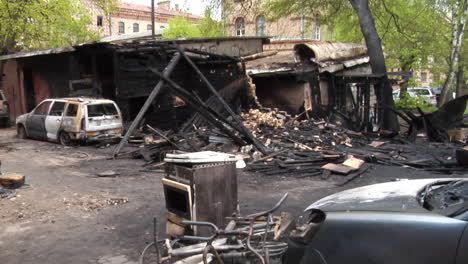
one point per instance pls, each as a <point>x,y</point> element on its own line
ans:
<point>276,144</point>
<point>303,148</point>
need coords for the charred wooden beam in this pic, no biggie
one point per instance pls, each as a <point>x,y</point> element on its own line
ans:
<point>239,125</point>
<point>199,107</point>
<point>167,72</point>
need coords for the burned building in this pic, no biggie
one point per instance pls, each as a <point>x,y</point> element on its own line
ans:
<point>317,77</point>
<point>124,71</point>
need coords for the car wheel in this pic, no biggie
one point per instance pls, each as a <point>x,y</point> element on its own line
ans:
<point>65,139</point>
<point>21,132</point>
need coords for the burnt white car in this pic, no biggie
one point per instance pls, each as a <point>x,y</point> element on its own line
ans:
<point>406,222</point>
<point>69,120</point>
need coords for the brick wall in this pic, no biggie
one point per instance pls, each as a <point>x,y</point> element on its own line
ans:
<point>290,27</point>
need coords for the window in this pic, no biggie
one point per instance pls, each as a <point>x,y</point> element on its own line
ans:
<point>424,77</point>
<point>261,26</point>
<point>240,27</point>
<point>136,27</point>
<point>318,32</point>
<point>331,34</point>
<point>149,27</point>
<point>57,109</point>
<point>161,27</point>
<point>72,110</point>
<point>42,109</point>
<point>99,21</point>
<point>101,110</point>
<point>121,27</point>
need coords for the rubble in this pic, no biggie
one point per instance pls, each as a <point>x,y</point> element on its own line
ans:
<point>301,148</point>
<point>90,203</point>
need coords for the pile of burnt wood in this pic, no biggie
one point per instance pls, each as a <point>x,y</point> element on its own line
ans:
<point>274,143</point>
<point>301,148</point>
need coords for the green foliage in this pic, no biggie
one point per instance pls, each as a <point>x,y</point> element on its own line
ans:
<point>41,24</point>
<point>182,27</point>
<point>412,103</point>
<point>415,34</point>
<point>209,27</point>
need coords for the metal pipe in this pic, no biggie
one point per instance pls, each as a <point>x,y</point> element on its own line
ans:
<point>152,20</point>
<point>254,216</point>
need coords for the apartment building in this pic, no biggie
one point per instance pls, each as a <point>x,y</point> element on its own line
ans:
<point>133,18</point>
<point>246,18</point>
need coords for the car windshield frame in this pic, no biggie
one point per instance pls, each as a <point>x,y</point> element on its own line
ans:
<point>460,213</point>
<point>105,111</point>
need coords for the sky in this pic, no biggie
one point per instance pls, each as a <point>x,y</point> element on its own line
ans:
<point>194,6</point>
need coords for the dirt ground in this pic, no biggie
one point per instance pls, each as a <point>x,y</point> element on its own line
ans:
<point>67,214</point>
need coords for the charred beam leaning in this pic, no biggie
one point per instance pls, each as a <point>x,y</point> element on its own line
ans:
<point>167,71</point>
<point>239,126</point>
<point>199,107</point>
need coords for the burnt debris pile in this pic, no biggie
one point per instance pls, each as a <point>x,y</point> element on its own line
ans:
<point>271,142</point>
<point>301,148</point>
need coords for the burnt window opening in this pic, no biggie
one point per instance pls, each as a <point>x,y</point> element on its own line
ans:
<point>121,27</point>
<point>304,53</point>
<point>240,27</point>
<point>101,110</point>
<point>149,27</point>
<point>57,109</point>
<point>136,27</point>
<point>260,26</point>
<point>99,21</point>
<point>72,110</point>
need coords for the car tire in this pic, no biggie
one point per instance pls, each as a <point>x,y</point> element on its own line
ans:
<point>64,139</point>
<point>21,132</point>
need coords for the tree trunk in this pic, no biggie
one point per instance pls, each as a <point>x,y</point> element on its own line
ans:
<point>459,22</point>
<point>460,80</point>
<point>377,62</point>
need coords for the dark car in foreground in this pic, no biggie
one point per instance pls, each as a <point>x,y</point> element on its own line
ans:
<point>405,222</point>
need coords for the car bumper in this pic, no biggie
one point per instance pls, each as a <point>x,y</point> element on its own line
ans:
<point>103,137</point>
<point>97,136</point>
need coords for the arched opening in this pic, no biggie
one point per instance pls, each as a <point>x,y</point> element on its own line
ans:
<point>240,27</point>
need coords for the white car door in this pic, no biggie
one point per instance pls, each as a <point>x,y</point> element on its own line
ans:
<point>54,120</point>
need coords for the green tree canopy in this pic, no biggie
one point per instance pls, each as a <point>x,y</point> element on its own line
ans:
<point>182,27</point>
<point>40,24</point>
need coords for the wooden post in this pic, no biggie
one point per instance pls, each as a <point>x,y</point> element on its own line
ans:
<point>239,125</point>
<point>167,71</point>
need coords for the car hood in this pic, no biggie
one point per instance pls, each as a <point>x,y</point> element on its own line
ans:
<point>399,196</point>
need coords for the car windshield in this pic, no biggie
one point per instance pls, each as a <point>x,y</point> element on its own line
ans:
<point>96,110</point>
<point>447,198</point>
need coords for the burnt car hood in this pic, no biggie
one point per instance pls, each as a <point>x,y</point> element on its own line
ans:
<point>399,196</point>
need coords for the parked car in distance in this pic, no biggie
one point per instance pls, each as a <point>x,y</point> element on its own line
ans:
<point>68,120</point>
<point>424,92</point>
<point>406,222</point>
<point>4,111</point>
